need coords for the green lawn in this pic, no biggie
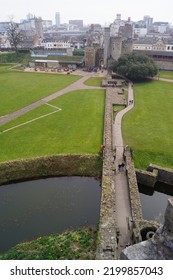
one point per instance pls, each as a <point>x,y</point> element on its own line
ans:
<point>19,89</point>
<point>94,81</point>
<point>77,244</point>
<point>147,129</point>
<point>5,66</point>
<point>77,128</point>
<point>116,109</point>
<point>166,74</point>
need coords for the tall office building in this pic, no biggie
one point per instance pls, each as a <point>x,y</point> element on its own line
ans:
<point>57,19</point>
<point>148,21</point>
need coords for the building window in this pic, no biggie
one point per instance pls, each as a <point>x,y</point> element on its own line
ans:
<point>168,48</point>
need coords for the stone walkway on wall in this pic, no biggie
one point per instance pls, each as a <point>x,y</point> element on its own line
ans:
<point>122,201</point>
<point>115,229</point>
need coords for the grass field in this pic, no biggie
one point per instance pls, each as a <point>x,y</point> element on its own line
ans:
<point>148,127</point>
<point>77,128</point>
<point>96,82</point>
<point>117,108</point>
<point>166,74</point>
<point>73,245</point>
<point>19,89</point>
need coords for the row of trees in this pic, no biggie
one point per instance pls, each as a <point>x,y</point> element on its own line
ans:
<point>134,66</point>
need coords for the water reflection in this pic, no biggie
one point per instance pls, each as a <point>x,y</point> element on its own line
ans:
<point>36,208</point>
<point>154,201</point>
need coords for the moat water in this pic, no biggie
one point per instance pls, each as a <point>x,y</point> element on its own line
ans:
<point>154,201</point>
<point>47,206</point>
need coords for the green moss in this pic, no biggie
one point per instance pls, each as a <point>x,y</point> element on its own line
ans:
<point>59,165</point>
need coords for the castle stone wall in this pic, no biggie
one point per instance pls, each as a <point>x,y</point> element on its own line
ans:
<point>107,234</point>
<point>147,178</point>
<point>165,175</point>
<point>116,47</point>
<point>159,247</point>
<point>107,243</point>
<point>134,195</point>
<point>164,65</point>
<point>127,46</point>
<point>90,53</point>
<point>106,45</point>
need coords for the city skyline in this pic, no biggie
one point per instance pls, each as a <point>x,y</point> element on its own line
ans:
<point>90,11</point>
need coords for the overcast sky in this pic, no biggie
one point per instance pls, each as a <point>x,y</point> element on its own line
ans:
<point>91,11</point>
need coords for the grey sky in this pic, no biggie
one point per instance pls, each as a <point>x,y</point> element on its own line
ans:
<point>91,11</point>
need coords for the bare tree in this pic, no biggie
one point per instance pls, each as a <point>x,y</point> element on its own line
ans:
<point>15,35</point>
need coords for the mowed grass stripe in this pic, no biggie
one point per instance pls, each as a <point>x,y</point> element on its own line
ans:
<point>166,74</point>
<point>30,121</point>
<point>94,81</point>
<point>34,114</point>
<point>148,127</point>
<point>19,89</point>
<point>77,128</point>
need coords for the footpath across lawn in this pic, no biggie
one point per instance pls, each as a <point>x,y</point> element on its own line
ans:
<point>76,129</point>
<point>166,74</point>
<point>19,89</point>
<point>147,129</point>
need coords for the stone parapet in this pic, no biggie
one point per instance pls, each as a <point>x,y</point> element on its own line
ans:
<point>146,178</point>
<point>159,247</point>
<point>106,247</point>
<point>165,175</point>
<point>134,195</point>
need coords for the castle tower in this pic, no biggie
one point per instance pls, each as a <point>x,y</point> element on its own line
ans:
<point>116,47</point>
<point>90,54</point>
<point>106,45</point>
